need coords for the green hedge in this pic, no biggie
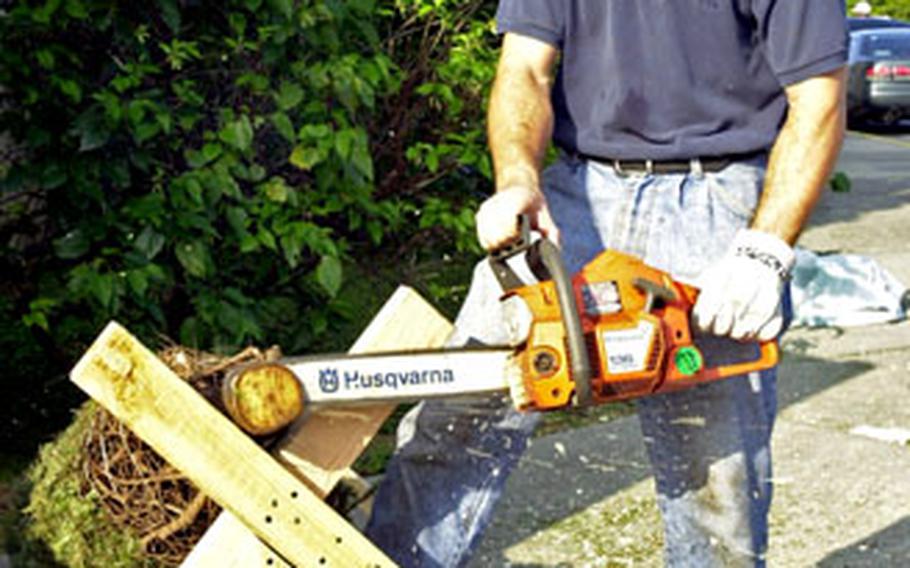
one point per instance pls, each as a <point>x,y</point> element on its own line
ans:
<point>229,172</point>
<point>899,9</point>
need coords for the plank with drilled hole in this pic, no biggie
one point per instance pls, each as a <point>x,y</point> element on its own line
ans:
<point>321,448</point>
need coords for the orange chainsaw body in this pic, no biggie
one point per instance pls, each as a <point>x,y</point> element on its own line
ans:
<point>635,320</point>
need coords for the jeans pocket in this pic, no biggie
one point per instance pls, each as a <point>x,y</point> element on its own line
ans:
<point>702,223</point>
<point>735,192</point>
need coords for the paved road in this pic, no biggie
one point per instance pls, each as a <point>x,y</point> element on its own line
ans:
<point>842,495</point>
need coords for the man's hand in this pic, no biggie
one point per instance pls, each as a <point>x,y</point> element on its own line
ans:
<point>741,294</point>
<point>497,218</point>
<point>519,128</point>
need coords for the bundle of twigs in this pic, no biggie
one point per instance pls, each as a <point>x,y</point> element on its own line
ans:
<point>139,490</point>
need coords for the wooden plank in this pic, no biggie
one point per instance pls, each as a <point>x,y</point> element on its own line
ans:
<point>322,446</point>
<point>140,390</point>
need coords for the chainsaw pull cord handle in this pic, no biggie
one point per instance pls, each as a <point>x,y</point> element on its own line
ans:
<point>546,263</point>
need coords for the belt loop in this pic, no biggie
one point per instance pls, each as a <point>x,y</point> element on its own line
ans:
<point>649,167</point>
<point>617,167</point>
<point>697,170</point>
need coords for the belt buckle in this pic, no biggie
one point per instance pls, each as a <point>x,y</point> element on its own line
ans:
<point>617,167</point>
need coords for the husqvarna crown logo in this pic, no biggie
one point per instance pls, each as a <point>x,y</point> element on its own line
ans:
<point>332,380</point>
<point>328,380</point>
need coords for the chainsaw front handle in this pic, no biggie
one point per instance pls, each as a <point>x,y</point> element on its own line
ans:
<point>545,261</point>
<point>499,258</point>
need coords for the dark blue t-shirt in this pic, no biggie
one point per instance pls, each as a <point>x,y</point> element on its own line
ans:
<point>677,79</point>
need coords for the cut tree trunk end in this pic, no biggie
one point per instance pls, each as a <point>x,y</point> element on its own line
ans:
<point>262,398</point>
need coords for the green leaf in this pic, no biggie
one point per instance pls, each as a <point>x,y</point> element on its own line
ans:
<point>238,134</point>
<point>93,138</point>
<point>146,131</point>
<point>72,245</point>
<point>198,158</point>
<point>194,257</point>
<point>257,83</point>
<point>45,58</point>
<point>267,239</point>
<point>165,120</point>
<point>71,89</point>
<point>149,242</point>
<point>248,243</point>
<point>237,219</point>
<point>329,275</point>
<point>103,289</point>
<point>292,246</point>
<point>289,95</point>
<point>149,207</point>
<point>840,183</point>
<point>39,310</point>
<point>37,319</point>
<point>256,173</point>
<point>376,230</point>
<point>211,151</point>
<point>345,141</point>
<point>76,9</point>
<point>306,157</point>
<point>286,7</point>
<point>138,281</point>
<point>238,23</point>
<point>170,13</point>
<point>188,92</point>
<point>314,132</point>
<point>43,14</point>
<point>53,176</point>
<point>226,183</point>
<point>362,161</point>
<point>284,126</point>
<point>277,190</point>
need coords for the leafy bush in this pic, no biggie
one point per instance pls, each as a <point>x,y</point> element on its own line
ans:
<point>214,171</point>
<point>891,8</point>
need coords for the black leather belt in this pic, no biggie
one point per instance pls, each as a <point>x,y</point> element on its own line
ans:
<point>709,164</point>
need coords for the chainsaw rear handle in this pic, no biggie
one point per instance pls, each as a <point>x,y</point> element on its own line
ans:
<point>545,261</point>
<point>768,356</point>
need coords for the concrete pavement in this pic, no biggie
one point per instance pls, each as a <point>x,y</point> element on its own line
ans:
<point>842,464</point>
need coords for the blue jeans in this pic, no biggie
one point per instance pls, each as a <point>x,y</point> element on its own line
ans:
<point>709,446</point>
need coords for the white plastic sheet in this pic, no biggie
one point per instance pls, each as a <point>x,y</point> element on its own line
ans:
<point>844,290</point>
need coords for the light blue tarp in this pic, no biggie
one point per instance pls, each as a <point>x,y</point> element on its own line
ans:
<point>844,290</point>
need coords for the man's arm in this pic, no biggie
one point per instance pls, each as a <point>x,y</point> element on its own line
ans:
<point>741,293</point>
<point>520,123</point>
<point>803,155</point>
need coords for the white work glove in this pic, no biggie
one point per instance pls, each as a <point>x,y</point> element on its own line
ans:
<point>497,217</point>
<point>741,293</point>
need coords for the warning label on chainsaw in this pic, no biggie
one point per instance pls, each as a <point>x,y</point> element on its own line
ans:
<point>627,350</point>
<point>601,298</point>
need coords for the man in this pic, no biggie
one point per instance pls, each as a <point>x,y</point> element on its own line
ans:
<point>696,134</point>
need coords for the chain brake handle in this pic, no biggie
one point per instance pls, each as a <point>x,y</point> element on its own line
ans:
<point>545,262</point>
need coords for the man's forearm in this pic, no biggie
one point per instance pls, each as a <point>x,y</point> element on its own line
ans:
<point>520,120</point>
<point>520,123</point>
<point>803,156</point>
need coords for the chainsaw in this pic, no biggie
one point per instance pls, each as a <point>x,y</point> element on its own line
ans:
<point>616,330</point>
